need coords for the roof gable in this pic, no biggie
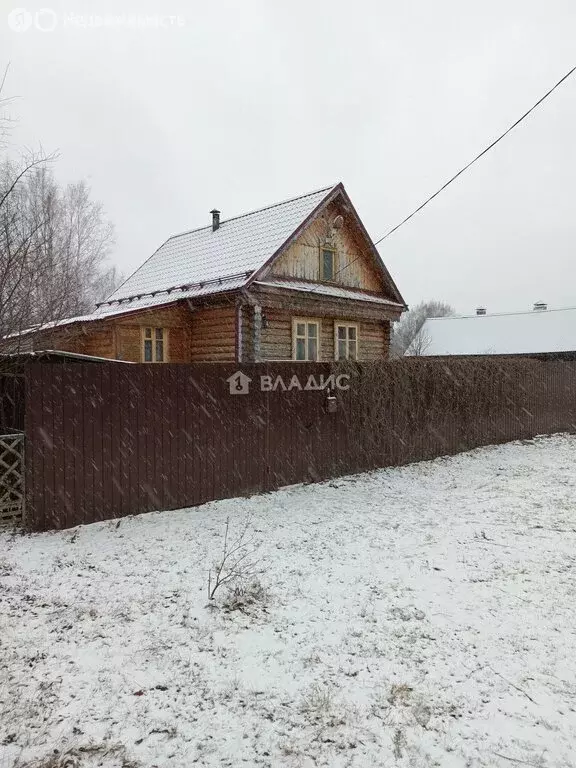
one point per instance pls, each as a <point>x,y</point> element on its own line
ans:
<point>367,252</point>
<point>334,225</point>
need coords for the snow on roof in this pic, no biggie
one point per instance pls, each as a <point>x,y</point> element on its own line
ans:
<point>204,261</point>
<point>146,302</point>
<point>509,333</point>
<point>329,290</point>
<point>240,245</point>
<point>49,325</point>
<point>168,296</point>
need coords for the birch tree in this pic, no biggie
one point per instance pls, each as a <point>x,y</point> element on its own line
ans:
<point>54,247</point>
<point>408,333</point>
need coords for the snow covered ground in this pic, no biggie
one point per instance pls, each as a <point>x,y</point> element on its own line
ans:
<point>416,616</point>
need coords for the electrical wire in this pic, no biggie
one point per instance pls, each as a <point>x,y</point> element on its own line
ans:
<point>484,151</point>
<point>465,168</point>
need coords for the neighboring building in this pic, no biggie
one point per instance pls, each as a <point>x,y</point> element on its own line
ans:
<point>298,280</point>
<point>541,331</point>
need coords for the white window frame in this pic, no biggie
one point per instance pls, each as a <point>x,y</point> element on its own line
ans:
<point>346,324</point>
<point>295,336</point>
<point>153,339</point>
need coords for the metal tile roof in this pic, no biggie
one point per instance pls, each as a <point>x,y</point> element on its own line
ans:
<point>146,302</point>
<point>552,330</point>
<point>164,297</point>
<point>240,245</point>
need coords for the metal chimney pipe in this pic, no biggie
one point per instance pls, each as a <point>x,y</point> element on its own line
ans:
<point>215,219</point>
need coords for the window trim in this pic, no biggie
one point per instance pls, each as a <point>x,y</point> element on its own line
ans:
<point>332,250</point>
<point>318,323</point>
<point>346,324</point>
<point>154,328</point>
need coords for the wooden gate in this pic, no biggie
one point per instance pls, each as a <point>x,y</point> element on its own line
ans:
<point>12,479</point>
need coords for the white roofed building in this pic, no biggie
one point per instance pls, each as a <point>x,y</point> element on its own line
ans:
<point>540,331</point>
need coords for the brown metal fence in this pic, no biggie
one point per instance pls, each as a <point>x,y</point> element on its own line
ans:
<point>110,440</point>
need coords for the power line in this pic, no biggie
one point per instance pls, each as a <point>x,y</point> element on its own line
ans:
<point>484,151</point>
<point>461,171</point>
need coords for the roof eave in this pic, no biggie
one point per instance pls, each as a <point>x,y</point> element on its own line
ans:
<point>355,295</point>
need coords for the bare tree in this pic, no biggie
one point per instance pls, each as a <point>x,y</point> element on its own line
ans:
<point>408,335</point>
<point>21,231</point>
<point>54,246</point>
<point>420,343</point>
<point>235,562</point>
<point>106,283</point>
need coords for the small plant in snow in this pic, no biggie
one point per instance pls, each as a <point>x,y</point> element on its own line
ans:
<point>236,563</point>
<point>231,689</point>
<point>399,694</point>
<point>422,713</point>
<point>318,702</point>
<point>398,743</point>
<point>245,595</point>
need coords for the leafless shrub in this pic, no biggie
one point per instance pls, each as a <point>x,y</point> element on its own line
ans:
<point>245,595</point>
<point>237,561</point>
<point>399,694</point>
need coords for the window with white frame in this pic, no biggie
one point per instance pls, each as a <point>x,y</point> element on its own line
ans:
<point>305,339</point>
<point>153,345</point>
<point>346,341</point>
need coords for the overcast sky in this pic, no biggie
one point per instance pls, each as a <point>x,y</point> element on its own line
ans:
<point>237,105</point>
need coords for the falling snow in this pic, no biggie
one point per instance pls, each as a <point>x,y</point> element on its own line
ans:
<point>414,616</point>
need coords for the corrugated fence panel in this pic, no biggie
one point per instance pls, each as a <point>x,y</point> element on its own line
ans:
<point>109,440</point>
